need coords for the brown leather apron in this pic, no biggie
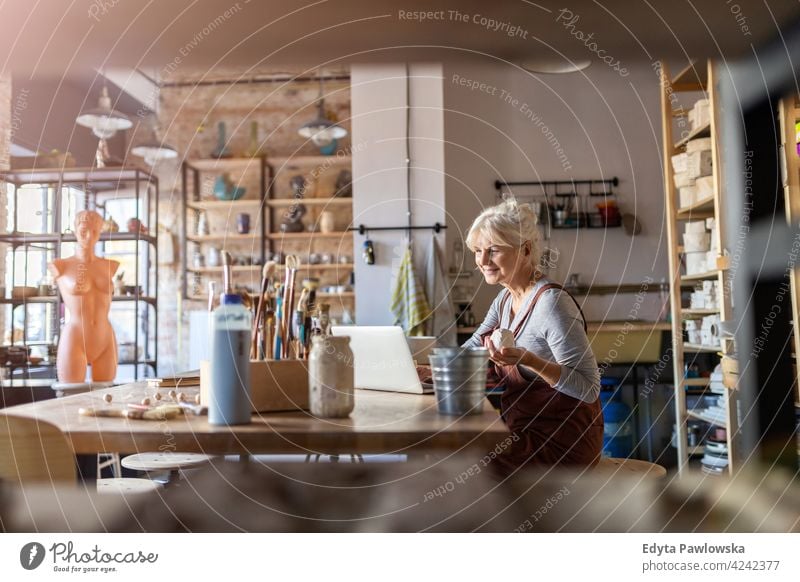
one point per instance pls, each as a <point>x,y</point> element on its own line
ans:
<point>548,426</point>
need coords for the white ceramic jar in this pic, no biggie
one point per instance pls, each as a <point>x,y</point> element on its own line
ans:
<point>331,380</point>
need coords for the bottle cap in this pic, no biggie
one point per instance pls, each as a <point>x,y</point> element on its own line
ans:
<point>230,299</point>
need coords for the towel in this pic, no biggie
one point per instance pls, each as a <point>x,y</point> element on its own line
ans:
<point>442,321</point>
<point>409,305</point>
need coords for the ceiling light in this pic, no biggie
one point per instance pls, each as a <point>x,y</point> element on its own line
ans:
<point>154,150</point>
<point>322,131</point>
<point>103,120</point>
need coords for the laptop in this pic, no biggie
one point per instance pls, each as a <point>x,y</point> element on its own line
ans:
<point>382,358</point>
<point>421,347</point>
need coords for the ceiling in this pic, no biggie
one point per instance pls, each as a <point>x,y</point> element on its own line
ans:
<point>52,37</point>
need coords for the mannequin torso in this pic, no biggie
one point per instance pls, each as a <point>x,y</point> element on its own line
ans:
<point>86,287</point>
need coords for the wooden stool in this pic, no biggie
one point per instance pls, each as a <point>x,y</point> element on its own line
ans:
<point>166,461</point>
<point>631,467</point>
<point>126,486</point>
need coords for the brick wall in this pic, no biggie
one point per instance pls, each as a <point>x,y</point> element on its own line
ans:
<point>188,118</point>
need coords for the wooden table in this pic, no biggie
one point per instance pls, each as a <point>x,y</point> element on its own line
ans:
<point>382,422</point>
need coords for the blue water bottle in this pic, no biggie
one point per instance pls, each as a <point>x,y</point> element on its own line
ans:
<point>230,357</point>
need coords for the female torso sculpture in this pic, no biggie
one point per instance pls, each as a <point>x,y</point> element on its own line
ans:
<point>86,285</point>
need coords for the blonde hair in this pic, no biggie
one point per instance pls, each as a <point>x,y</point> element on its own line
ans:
<point>507,224</point>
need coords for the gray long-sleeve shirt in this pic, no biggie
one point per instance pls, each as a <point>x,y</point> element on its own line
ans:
<point>553,332</point>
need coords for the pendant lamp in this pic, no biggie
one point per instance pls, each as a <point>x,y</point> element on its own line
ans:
<point>153,149</point>
<point>104,123</point>
<point>321,130</point>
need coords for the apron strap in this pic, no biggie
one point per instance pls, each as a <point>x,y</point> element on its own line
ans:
<point>532,304</point>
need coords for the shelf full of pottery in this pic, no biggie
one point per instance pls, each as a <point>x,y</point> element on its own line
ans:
<point>694,180</point>
<point>701,256</point>
<point>309,210</point>
<point>223,211</point>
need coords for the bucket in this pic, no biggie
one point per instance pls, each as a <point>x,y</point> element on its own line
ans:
<point>459,379</point>
<point>617,426</point>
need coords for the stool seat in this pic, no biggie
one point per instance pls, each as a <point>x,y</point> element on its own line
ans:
<point>165,461</point>
<point>631,467</point>
<point>126,486</point>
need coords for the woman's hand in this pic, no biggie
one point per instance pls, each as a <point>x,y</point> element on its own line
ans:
<point>506,356</point>
<point>550,372</point>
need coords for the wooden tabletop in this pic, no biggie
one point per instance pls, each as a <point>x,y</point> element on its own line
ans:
<point>382,422</point>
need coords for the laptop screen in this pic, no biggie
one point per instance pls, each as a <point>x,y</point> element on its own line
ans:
<point>382,358</point>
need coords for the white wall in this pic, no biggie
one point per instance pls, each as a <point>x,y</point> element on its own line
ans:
<point>607,126</point>
<point>378,109</point>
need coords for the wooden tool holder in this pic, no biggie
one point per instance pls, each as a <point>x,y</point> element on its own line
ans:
<point>275,385</point>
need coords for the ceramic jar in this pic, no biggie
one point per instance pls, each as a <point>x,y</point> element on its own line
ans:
<point>327,222</point>
<point>214,257</point>
<point>331,379</point>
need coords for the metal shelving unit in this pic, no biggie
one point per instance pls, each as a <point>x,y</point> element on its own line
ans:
<point>61,194</point>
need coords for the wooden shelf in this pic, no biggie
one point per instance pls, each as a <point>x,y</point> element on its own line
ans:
<point>701,276</point>
<point>329,267</point>
<point>466,329</point>
<point>611,289</point>
<point>275,202</point>
<point>290,161</point>
<point>687,347</point>
<point>694,211</point>
<point>222,204</point>
<point>617,326</point>
<point>693,77</point>
<point>697,416</point>
<point>699,312</point>
<point>702,131</point>
<point>222,237</point>
<point>243,268</point>
<point>698,80</point>
<point>345,295</point>
<point>235,269</point>
<point>216,165</point>
<point>696,381</point>
<point>307,235</point>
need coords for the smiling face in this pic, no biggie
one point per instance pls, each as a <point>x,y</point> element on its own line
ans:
<point>501,264</point>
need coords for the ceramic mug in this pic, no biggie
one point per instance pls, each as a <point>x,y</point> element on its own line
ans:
<point>243,223</point>
<point>327,222</point>
<point>213,257</point>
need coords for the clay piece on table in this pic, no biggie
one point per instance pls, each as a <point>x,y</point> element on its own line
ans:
<point>502,338</point>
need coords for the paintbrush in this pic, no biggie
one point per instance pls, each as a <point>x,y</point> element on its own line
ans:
<point>212,287</point>
<point>266,275</point>
<point>277,340</point>
<point>292,262</point>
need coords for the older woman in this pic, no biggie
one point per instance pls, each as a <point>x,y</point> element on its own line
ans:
<point>550,376</point>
